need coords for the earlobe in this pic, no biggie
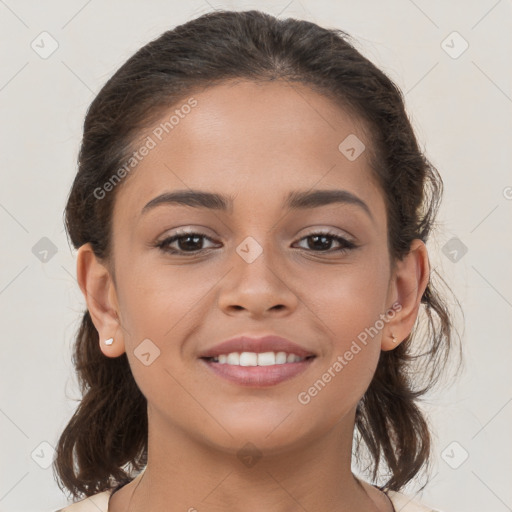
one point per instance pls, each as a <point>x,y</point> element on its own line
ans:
<point>98,289</point>
<point>410,280</point>
<point>390,341</point>
<point>112,348</point>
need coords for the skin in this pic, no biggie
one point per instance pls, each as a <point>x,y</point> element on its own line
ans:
<point>257,143</point>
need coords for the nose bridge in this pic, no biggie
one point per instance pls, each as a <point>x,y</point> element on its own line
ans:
<point>257,282</point>
<point>255,265</point>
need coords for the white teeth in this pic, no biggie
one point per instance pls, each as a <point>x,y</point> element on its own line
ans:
<point>266,359</point>
<point>281,358</point>
<point>254,359</point>
<point>248,359</point>
<point>233,358</point>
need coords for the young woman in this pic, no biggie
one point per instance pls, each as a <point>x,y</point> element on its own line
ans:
<point>250,211</point>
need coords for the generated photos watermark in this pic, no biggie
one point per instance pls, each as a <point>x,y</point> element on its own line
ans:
<point>150,142</point>
<point>342,360</point>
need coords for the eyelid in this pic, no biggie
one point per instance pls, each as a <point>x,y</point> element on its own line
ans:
<point>312,230</point>
<point>164,243</point>
<point>347,243</point>
<point>331,231</point>
<point>187,230</point>
<point>183,233</point>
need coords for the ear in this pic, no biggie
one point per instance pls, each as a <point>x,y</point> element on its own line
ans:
<point>408,283</point>
<point>98,288</point>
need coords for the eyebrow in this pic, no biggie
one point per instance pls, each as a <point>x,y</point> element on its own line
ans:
<point>296,200</point>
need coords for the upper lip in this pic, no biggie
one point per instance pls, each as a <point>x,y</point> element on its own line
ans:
<point>270,343</point>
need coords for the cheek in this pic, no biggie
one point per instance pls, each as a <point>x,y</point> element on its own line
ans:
<point>349,298</point>
<point>350,303</point>
<point>157,300</point>
<point>344,374</point>
<point>161,306</point>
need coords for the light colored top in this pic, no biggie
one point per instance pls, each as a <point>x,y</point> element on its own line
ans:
<point>99,503</point>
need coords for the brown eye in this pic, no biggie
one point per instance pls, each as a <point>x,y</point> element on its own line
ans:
<point>185,243</point>
<point>323,242</point>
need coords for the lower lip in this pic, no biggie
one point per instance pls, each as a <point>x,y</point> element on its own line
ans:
<point>258,376</point>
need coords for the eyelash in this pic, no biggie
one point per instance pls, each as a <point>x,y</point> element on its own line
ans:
<point>164,244</point>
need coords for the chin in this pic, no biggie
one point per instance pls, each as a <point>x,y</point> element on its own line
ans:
<point>269,432</point>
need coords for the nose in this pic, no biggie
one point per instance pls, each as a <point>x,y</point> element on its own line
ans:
<point>258,289</point>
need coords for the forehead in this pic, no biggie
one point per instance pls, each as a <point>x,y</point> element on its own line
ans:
<point>256,141</point>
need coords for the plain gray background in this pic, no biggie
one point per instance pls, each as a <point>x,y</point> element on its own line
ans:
<point>460,104</point>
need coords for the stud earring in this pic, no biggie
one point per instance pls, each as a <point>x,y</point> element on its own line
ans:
<point>109,341</point>
<point>394,338</point>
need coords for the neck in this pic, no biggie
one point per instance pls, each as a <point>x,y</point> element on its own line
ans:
<point>188,475</point>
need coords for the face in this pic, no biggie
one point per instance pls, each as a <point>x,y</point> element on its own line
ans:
<point>189,276</point>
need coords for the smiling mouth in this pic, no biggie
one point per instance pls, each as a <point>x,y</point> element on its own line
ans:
<point>257,359</point>
<point>254,369</point>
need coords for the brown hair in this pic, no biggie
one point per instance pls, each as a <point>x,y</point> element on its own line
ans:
<point>108,431</point>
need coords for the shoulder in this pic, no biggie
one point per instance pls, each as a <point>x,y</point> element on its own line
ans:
<point>404,503</point>
<point>96,503</point>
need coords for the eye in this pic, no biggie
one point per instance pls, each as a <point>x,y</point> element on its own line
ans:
<point>190,242</point>
<point>322,242</point>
